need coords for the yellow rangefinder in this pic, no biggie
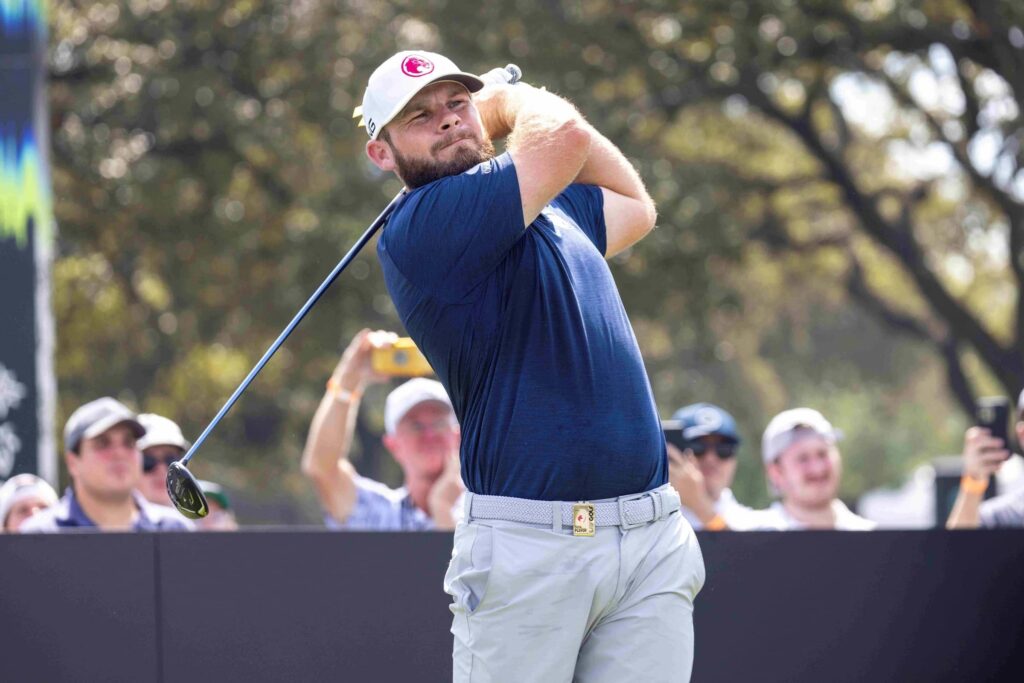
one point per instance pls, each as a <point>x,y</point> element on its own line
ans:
<point>402,359</point>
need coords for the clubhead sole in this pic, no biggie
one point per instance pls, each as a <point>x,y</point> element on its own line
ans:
<point>185,493</point>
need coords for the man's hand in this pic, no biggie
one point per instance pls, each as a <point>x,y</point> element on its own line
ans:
<point>687,479</point>
<point>354,370</point>
<point>497,105</point>
<point>983,453</point>
<point>445,492</point>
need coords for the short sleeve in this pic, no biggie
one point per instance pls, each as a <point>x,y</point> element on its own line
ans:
<point>585,204</point>
<point>451,234</point>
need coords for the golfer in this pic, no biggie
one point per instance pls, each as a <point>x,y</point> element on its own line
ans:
<point>572,562</point>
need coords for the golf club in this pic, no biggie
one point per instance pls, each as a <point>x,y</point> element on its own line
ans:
<point>182,487</point>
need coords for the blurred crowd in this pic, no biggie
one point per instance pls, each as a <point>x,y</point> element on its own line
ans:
<point>117,464</point>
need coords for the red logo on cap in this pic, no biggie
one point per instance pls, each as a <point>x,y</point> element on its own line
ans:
<point>416,66</point>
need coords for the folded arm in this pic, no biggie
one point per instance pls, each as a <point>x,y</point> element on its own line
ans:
<point>553,146</point>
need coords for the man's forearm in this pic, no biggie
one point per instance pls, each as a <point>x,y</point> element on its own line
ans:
<point>966,513</point>
<point>330,435</point>
<point>607,167</point>
<point>522,112</point>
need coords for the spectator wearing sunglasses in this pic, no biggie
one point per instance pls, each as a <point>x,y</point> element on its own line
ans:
<point>162,444</point>
<point>803,466</point>
<point>103,460</point>
<point>703,471</point>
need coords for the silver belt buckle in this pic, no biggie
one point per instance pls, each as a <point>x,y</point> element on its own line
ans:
<point>584,521</point>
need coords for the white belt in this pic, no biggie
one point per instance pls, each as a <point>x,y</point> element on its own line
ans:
<point>627,512</point>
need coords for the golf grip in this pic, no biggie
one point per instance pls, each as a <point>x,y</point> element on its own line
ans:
<point>510,74</point>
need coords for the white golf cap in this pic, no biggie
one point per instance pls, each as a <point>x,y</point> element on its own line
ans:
<point>161,431</point>
<point>790,426</point>
<point>397,81</point>
<point>409,395</point>
<point>22,486</point>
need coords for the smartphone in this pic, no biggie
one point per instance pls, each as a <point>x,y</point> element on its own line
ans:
<point>673,431</point>
<point>993,413</point>
<point>402,359</point>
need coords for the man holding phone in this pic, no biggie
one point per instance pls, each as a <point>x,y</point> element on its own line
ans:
<point>986,448</point>
<point>702,442</point>
<point>421,433</point>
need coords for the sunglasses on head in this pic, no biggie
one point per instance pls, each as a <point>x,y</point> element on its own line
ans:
<point>150,462</point>
<point>724,450</point>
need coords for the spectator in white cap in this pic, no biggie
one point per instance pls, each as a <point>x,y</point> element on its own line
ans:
<point>984,455</point>
<point>103,460</point>
<point>22,496</point>
<point>162,444</point>
<point>803,467</point>
<point>421,433</point>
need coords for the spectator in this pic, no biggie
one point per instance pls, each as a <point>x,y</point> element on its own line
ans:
<point>703,472</point>
<point>803,466</point>
<point>163,444</point>
<point>221,516</point>
<point>420,432</point>
<point>22,496</point>
<point>983,456</point>
<point>105,466</point>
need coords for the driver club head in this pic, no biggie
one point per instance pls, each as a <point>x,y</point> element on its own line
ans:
<point>185,493</point>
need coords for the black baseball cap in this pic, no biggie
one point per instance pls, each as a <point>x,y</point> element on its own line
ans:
<point>96,417</point>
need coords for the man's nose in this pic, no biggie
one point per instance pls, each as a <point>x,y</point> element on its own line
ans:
<point>450,120</point>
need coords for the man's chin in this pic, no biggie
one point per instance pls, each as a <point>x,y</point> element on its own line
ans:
<point>452,160</point>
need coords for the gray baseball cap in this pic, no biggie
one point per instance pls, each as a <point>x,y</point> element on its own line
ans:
<point>96,417</point>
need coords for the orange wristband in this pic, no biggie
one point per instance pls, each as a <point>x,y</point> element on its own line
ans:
<point>969,484</point>
<point>716,523</point>
<point>343,395</point>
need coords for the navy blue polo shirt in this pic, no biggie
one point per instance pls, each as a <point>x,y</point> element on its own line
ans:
<point>526,330</point>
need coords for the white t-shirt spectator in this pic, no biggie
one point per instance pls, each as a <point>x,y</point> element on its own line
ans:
<point>777,518</point>
<point>737,516</point>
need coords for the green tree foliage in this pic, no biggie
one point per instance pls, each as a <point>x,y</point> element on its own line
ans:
<point>840,205</point>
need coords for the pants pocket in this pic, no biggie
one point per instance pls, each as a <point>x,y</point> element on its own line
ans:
<point>469,570</point>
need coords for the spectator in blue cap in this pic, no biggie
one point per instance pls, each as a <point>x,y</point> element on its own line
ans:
<point>702,467</point>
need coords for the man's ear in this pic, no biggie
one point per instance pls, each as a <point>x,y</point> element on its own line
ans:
<point>381,154</point>
<point>71,460</point>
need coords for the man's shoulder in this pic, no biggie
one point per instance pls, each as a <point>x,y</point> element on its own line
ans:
<point>1004,510</point>
<point>440,195</point>
<point>162,517</point>
<point>771,518</point>
<point>848,520</point>
<point>44,521</point>
<point>376,490</point>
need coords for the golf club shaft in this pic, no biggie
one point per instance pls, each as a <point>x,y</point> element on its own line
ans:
<point>342,264</point>
<point>509,74</point>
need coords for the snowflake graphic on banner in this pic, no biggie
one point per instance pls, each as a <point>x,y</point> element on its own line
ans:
<point>11,391</point>
<point>10,444</point>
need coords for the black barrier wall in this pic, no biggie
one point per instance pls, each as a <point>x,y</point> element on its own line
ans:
<point>315,606</point>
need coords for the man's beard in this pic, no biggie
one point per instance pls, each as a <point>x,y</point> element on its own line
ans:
<point>419,172</point>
